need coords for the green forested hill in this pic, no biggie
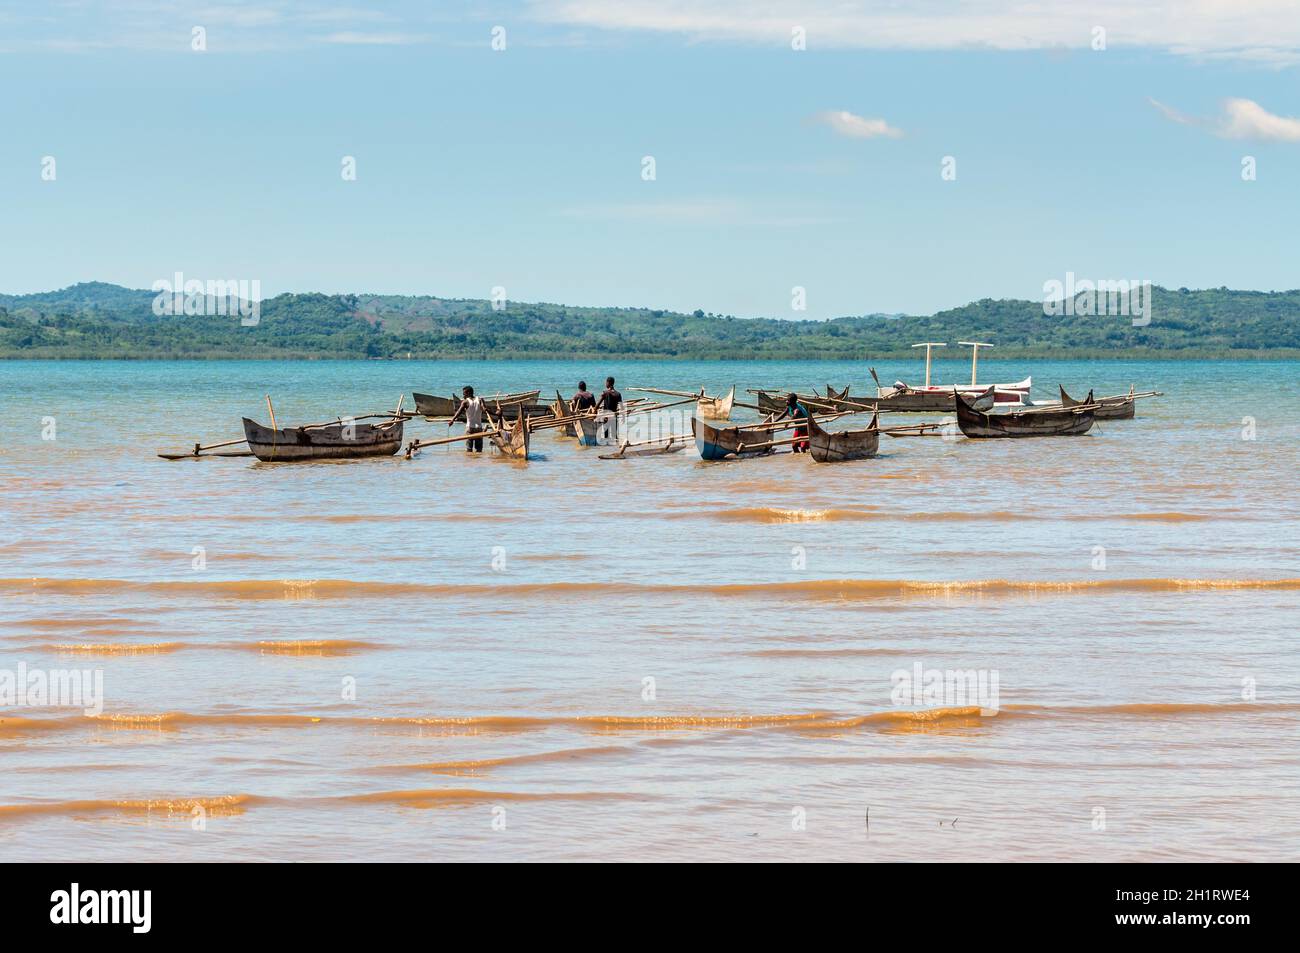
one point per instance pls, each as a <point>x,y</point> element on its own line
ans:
<point>97,320</point>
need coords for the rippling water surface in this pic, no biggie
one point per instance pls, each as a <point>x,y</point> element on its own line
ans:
<point>456,657</point>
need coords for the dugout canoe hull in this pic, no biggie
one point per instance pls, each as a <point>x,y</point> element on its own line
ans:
<point>327,442</point>
<point>1028,423</point>
<point>719,443</point>
<point>431,405</point>
<point>716,408</point>
<point>835,446</point>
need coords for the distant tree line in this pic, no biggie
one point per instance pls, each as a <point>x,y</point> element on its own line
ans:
<point>97,320</point>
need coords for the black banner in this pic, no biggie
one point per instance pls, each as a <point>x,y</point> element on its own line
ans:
<point>140,903</point>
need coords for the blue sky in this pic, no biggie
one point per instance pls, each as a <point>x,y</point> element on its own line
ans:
<point>775,168</point>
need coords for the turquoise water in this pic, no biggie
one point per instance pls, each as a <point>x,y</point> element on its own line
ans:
<point>392,659</point>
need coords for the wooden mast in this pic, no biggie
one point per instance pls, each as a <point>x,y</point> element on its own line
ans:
<point>974,355</point>
<point>927,345</point>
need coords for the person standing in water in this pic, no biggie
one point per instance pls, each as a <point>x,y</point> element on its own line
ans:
<point>607,408</point>
<point>472,408</point>
<point>583,400</point>
<point>796,411</point>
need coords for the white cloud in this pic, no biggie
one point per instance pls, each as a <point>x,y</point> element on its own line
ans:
<point>1247,119</point>
<point>246,26</point>
<point>1241,119</point>
<point>845,123</point>
<point>1261,31</point>
<point>1265,33</point>
<point>1173,115</point>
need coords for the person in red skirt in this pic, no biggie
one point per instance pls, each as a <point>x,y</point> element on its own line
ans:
<point>796,411</point>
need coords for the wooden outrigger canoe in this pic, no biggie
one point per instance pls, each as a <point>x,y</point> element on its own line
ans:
<point>514,441</point>
<point>561,410</point>
<point>767,404</point>
<point>929,397</point>
<point>984,401</point>
<point>934,399</point>
<point>532,411</point>
<point>431,405</point>
<point>587,430</point>
<point>748,440</point>
<point>910,401</point>
<point>718,443</point>
<point>710,408</point>
<point>841,400</point>
<point>1025,423</point>
<point>905,399</point>
<point>827,447</point>
<point>1121,407</point>
<point>773,402</point>
<point>842,404</point>
<point>716,408</point>
<point>833,398</point>
<point>323,441</point>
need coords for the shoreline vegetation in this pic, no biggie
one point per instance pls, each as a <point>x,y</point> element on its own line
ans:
<point>98,321</point>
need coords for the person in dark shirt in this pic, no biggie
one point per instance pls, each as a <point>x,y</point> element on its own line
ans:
<point>610,399</point>
<point>796,411</point>
<point>607,408</point>
<point>583,401</point>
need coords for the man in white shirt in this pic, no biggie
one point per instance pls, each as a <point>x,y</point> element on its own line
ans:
<point>472,409</point>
